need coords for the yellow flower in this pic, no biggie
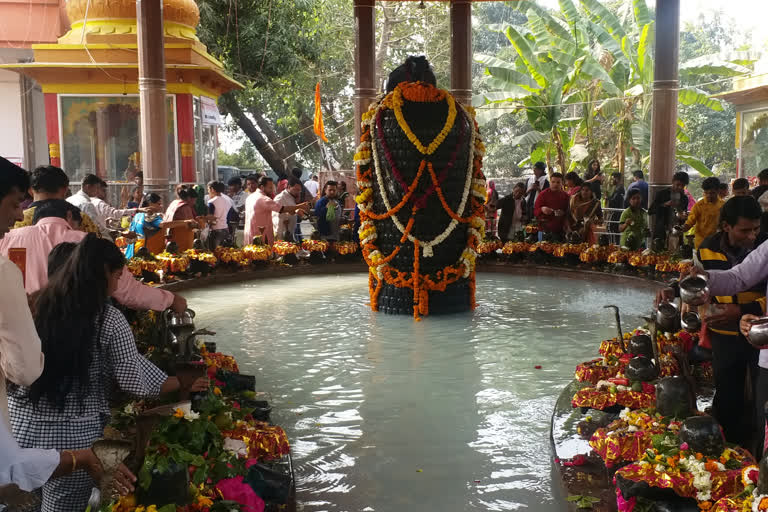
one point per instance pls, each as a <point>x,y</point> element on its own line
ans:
<point>397,104</point>
<point>204,501</point>
<point>139,509</point>
<point>179,414</point>
<point>152,508</point>
<point>216,391</point>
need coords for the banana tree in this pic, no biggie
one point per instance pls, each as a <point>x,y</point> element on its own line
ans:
<point>553,71</point>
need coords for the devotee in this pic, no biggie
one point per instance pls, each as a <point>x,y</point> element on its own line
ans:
<point>705,214</point>
<point>105,211</point>
<point>669,207</point>
<point>491,206</point>
<point>50,182</point>
<point>573,183</point>
<point>183,209</point>
<point>146,224</point>
<point>251,184</point>
<point>329,212</point>
<point>306,195</point>
<point>514,213</point>
<point>219,206</point>
<point>551,207</point>
<point>125,199</point>
<point>343,194</point>
<point>584,213</point>
<point>740,187</point>
<point>53,228</point>
<point>722,190</point>
<point>733,356</point>
<point>594,179</point>
<point>616,202</point>
<point>236,193</point>
<point>89,347</point>
<point>21,363</point>
<point>313,185</point>
<point>535,185</point>
<point>136,198</point>
<point>91,187</point>
<point>258,211</point>
<point>633,222</point>
<point>282,185</point>
<point>638,182</point>
<point>758,192</point>
<point>285,223</point>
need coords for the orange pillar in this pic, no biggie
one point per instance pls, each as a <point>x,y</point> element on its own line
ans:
<point>154,139</point>
<point>52,128</point>
<point>365,59</point>
<point>665,90</point>
<point>185,122</point>
<point>461,50</point>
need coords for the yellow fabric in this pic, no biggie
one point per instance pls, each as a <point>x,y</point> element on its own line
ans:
<point>741,298</point>
<point>703,218</point>
<point>86,225</point>
<point>709,255</point>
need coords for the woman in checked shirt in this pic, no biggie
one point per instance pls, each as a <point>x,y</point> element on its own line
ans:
<point>89,352</point>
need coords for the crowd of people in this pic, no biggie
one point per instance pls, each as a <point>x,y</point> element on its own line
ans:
<point>569,208</point>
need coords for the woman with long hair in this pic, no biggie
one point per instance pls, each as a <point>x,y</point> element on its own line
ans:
<point>183,209</point>
<point>491,206</point>
<point>89,352</point>
<point>594,178</point>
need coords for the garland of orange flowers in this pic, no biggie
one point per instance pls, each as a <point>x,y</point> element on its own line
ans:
<point>380,271</point>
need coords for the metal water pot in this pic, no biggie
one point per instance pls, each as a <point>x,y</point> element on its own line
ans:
<point>694,290</point>
<point>667,316</point>
<point>180,319</point>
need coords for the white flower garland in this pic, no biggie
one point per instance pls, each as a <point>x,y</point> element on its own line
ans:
<point>426,247</point>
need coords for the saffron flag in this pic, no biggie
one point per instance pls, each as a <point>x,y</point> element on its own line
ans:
<point>319,126</point>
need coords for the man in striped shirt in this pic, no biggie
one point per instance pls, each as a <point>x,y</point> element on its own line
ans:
<point>732,353</point>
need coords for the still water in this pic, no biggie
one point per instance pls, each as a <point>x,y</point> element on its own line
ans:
<point>387,414</point>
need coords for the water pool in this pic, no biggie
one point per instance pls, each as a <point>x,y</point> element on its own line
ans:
<point>387,414</point>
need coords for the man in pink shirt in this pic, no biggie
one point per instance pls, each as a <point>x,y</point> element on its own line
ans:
<point>55,219</point>
<point>258,211</point>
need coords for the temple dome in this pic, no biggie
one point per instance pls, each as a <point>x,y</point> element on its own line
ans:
<point>184,12</point>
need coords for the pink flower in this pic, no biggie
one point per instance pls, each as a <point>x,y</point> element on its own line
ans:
<point>684,446</point>
<point>235,489</point>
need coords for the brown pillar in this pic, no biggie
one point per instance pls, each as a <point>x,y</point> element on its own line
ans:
<point>154,137</point>
<point>365,59</point>
<point>461,50</point>
<point>665,90</point>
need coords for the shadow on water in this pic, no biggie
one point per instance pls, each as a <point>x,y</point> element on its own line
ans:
<point>387,414</point>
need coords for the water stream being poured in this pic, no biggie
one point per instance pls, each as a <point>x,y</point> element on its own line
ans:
<point>387,414</point>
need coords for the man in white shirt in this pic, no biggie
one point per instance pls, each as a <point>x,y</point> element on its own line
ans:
<point>82,198</point>
<point>313,185</point>
<point>106,211</point>
<point>285,223</point>
<point>219,206</point>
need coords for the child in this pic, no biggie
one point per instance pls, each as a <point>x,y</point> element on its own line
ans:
<point>633,222</point>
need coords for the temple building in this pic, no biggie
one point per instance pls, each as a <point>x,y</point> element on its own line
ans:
<point>750,98</point>
<point>89,82</point>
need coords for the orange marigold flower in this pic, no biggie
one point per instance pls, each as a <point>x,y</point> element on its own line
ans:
<point>216,391</point>
<point>179,413</point>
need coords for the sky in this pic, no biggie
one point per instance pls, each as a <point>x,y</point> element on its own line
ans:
<point>750,15</point>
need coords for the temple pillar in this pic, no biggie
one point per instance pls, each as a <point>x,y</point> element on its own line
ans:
<point>461,50</point>
<point>665,93</point>
<point>365,59</point>
<point>154,139</point>
<point>52,127</point>
<point>185,124</point>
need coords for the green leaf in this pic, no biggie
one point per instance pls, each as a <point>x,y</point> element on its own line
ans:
<point>611,108</point>
<point>528,139</point>
<point>644,61</point>
<point>642,14</point>
<point>598,13</point>
<point>695,163</point>
<point>712,65</point>
<point>506,77</point>
<point>607,41</point>
<point>590,67</point>
<point>525,52</point>
<point>498,97</point>
<point>694,96</point>
<point>641,137</point>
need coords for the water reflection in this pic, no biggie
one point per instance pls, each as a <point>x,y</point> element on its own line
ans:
<point>390,414</point>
